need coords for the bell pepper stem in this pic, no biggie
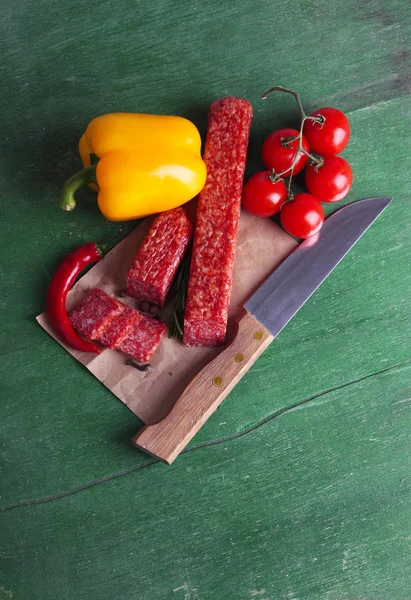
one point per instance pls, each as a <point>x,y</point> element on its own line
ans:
<point>88,175</point>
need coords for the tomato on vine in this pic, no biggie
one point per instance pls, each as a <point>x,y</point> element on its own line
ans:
<point>303,216</point>
<point>285,152</point>
<point>280,149</point>
<point>263,195</point>
<point>329,134</point>
<point>329,181</point>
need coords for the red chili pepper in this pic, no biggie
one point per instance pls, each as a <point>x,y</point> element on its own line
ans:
<point>57,292</point>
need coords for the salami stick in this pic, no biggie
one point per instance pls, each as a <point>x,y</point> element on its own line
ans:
<point>159,256</point>
<point>218,215</point>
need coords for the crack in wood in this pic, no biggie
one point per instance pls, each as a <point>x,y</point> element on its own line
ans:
<point>207,444</point>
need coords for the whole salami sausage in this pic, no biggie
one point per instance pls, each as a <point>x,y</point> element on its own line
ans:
<point>218,215</point>
<point>159,256</point>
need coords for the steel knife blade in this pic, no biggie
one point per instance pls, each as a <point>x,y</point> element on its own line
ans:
<point>288,288</point>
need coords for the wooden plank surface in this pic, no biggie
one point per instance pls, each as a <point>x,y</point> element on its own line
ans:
<point>311,504</point>
<point>298,487</point>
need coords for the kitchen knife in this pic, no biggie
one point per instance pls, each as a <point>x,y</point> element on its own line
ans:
<point>265,314</point>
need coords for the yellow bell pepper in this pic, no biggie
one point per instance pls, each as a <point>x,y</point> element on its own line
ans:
<point>146,164</point>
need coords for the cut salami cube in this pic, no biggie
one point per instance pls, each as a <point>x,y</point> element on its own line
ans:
<point>95,313</point>
<point>120,328</point>
<point>218,215</point>
<point>153,269</point>
<point>143,341</point>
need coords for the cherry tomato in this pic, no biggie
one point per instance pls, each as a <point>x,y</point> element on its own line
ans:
<point>279,157</point>
<point>262,197</point>
<point>303,216</point>
<point>332,136</point>
<point>330,182</point>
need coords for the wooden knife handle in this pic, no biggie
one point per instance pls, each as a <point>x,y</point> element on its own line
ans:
<point>205,392</point>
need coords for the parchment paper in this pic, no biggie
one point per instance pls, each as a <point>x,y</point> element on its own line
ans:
<point>261,247</point>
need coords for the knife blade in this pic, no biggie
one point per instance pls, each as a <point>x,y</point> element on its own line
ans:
<point>288,288</point>
<point>264,315</point>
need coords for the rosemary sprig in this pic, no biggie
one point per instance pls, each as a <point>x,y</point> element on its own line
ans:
<point>179,292</point>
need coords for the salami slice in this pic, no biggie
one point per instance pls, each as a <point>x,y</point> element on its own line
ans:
<point>159,256</point>
<point>143,341</point>
<point>91,317</point>
<point>218,215</point>
<point>120,327</point>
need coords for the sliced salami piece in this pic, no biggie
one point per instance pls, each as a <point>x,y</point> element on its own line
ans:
<point>117,326</point>
<point>95,313</point>
<point>144,340</point>
<point>120,328</point>
<point>153,269</point>
<point>218,215</point>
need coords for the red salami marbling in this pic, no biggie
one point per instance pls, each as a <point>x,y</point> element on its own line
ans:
<point>159,256</point>
<point>120,328</point>
<point>117,325</point>
<point>91,317</point>
<point>143,341</point>
<point>218,215</point>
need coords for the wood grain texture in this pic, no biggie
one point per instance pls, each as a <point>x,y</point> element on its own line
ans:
<point>298,486</point>
<point>167,438</point>
<point>311,504</point>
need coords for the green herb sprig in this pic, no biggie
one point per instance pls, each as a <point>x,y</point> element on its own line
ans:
<point>179,292</point>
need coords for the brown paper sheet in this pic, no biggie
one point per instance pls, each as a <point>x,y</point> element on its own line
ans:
<point>261,246</point>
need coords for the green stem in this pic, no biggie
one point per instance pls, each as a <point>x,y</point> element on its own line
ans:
<point>280,88</point>
<point>299,137</point>
<point>289,193</point>
<point>68,201</point>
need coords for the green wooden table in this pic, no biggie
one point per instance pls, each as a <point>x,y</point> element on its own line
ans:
<point>298,487</point>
